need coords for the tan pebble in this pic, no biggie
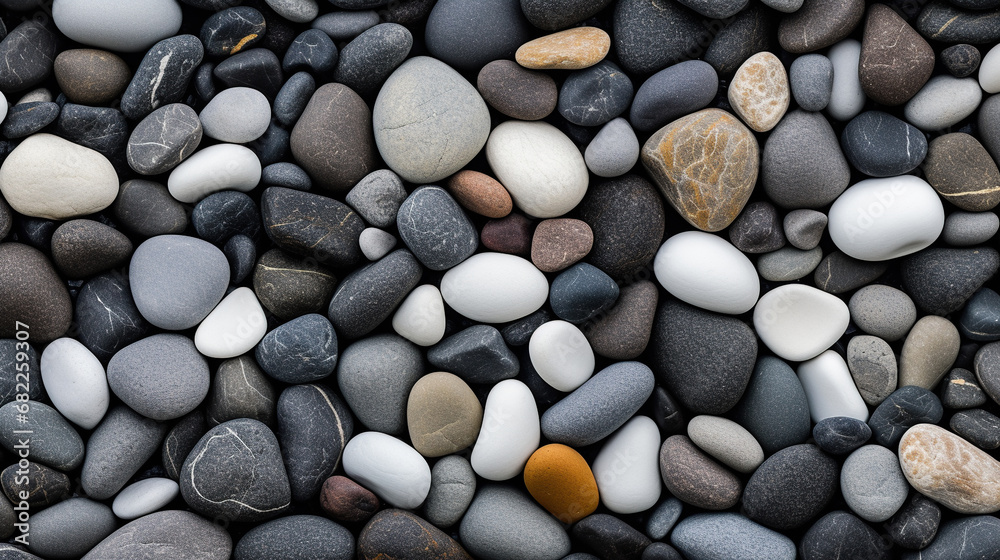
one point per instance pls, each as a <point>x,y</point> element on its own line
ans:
<point>759,91</point>
<point>950,470</point>
<point>560,243</point>
<point>572,49</point>
<point>443,414</point>
<point>928,353</point>
<point>480,193</point>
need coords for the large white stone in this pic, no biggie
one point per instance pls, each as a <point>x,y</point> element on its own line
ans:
<point>420,318</point>
<point>943,102</point>
<point>539,165</point>
<point>708,272</point>
<point>233,328</point>
<point>3,107</point>
<point>388,467</point>
<point>494,288</point>
<point>561,355</point>
<point>882,219</point>
<point>989,71</point>
<point>847,98</point>
<point>830,389</point>
<point>797,322</point>
<point>75,382</point>
<point>216,168</point>
<point>48,177</point>
<point>627,468</point>
<point>117,25</point>
<point>509,434</point>
<point>144,497</point>
<point>236,114</point>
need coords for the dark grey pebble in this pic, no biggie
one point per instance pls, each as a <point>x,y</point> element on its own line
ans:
<point>240,390</point>
<point>838,273</point>
<point>595,95</point>
<point>180,440</point>
<point>312,51</point>
<point>292,99</point>
<point>811,80</point>
<point>477,354</point>
<point>758,229</point>
<point>163,139</point>
<point>286,174</point>
<point>802,165</point>
<point>204,81</point>
<point>28,53</point>
<point>312,226</point>
<point>978,426</point>
<point>371,294</point>
<point>946,23</point>
<point>302,536</point>
<point>290,286</point>
<point>25,119</point>
<point>791,487</point>
<point>42,485</point>
<point>610,537</point>
<point>229,31</point>
<point>916,523</point>
<point>467,36</point>
<point>366,62</point>
<point>182,535</point>
<point>839,534</point>
<point>716,9</point>
<point>663,518</point>
<point>241,252</point>
<point>649,36</point>
<point>967,538</point>
<point>257,68</point>
<point>273,145</point>
<point>519,332</point>
<point>162,376</point>
<point>980,320</point>
<point>147,209</point>
<point>300,351</point>
<point>375,376</point>
<point>903,409</point>
<point>960,389</point>
<point>960,60</point>
<point>222,215</point>
<point>839,435</point>
<point>671,93</point>
<point>553,15</point>
<point>940,281</point>
<point>117,448</point>
<point>314,425</point>
<point>880,145</point>
<point>581,293</point>
<point>82,248</point>
<point>667,413</point>
<point>751,31</point>
<point>963,229</point>
<point>106,316</point>
<point>435,228</point>
<point>344,26</point>
<point>177,57</point>
<point>377,197</point>
<point>50,438</point>
<point>804,228</point>
<point>9,361</point>
<point>70,529</point>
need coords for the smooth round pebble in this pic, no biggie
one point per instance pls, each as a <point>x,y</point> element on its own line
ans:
<point>144,497</point>
<point>704,270</point>
<point>561,355</point>
<point>726,441</point>
<point>390,468</point>
<point>872,483</point>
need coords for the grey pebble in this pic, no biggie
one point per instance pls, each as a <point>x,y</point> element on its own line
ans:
<point>435,228</point>
<point>296,536</point>
<point>614,150</point>
<point>710,536</point>
<point>966,538</point>
<point>873,367</point>
<point>52,440</point>
<point>788,263</point>
<point>302,350</point>
<point>368,60</point>
<point>236,115</point>
<point>477,354</point>
<point>802,165</point>
<point>286,174</point>
<point>70,529</point>
<point>811,80</point>
<point>241,252</point>
<point>751,31</point>
<point>671,93</point>
<point>179,535</point>
<point>314,425</point>
<point>963,229</point>
<point>293,97</point>
<point>916,523</point>
<point>453,485</point>
<point>376,243</point>
<point>978,426</point>
<point>804,228</point>
<point>758,229</point>
<point>240,390</point>
<point>180,440</point>
<point>595,95</point>
<point>369,295</point>
<point>663,518</point>
<point>177,57</point>
<point>837,273</point>
<point>106,317</point>
<point>117,448</point>
<point>873,483</point>
<point>344,26</point>
<point>377,197</point>
<point>9,361</point>
<point>375,376</point>
<point>774,407</point>
<point>960,389</point>
<point>528,530</point>
<point>146,208</point>
<point>161,377</point>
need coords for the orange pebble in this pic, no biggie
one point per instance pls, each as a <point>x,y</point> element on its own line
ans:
<point>480,193</point>
<point>561,481</point>
<point>572,49</point>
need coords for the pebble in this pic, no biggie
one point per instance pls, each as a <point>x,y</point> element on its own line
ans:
<point>572,49</point>
<point>391,469</point>
<point>53,441</point>
<point>216,168</point>
<point>510,234</point>
<point>161,376</point>
<point>561,481</point>
<point>940,281</point>
<point>880,145</point>
<point>180,440</point>
<point>517,150</point>
<point>963,229</point>
<point>788,264</point>
<point>345,25</point>
<point>873,367</point>
<point>28,50</point>
<point>178,57</point>
<point>510,432</point>
<point>312,50</point>
<point>347,501</point>
<point>467,39</point>
<point>289,221</point>
<point>71,528</point>
<point>258,68</point>
<point>559,243</point>
<point>480,193</point>
<point>309,535</point>
<point>811,81</point>
<point>694,478</point>
<point>237,115</point>
<point>117,449</point>
<point>516,91</point>
<point>978,426</point>
<point>375,375</point>
<point>774,407</point>
<point>234,327</point>
<point>759,91</point>
<point>181,534</point>
<point>706,536</point>
<point>830,389</point>
<point>818,24</point>
<point>614,151</point>
<point>916,523</point>
<point>402,534</point>
<point>841,533</point>
<point>163,139</point>
<point>581,293</point>
<point>663,518</point>
<point>705,271</point>
<point>979,321</point>
<point>293,97</point>
<point>895,60</point>
<point>627,467</point>
<point>229,31</point>
<point>144,497</point>
<point>649,37</point>
<point>838,273</point>
<point>561,355</point>
<point>44,486</point>
<point>950,24</point>
<point>962,171</point>
<point>749,32</point>
<point>241,390</point>
<point>798,322</point>
<point>873,484</point>
<point>368,60</point>
<point>791,183</point>
<point>985,366</point>
<point>928,352</point>
<point>943,102</point>
<point>623,331</point>
<point>290,287</point>
<point>435,229</point>
<point>758,229</point>
<point>960,60</point>
<point>146,208</point>
<point>848,96</point>
<point>673,92</point>
<point>30,287</point>
<point>726,441</point>
<point>237,495</point>
<point>25,119</point>
<point>453,486</point>
<point>964,539</point>
<point>84,248</point>
<point>883,311</point>
<point>421,317</point>
<point>531,531</point>
<point>685,155</point>
<point>314,425</point>
<point>476,289</point>
<point>610,536</point>
<point>443,415</point>
<point>377,197</point>
<point>75,382</point>
<point>595,95</point>
<point>839,435</point>
<point>927,456</point>
<point>791,487</point>
<point>961,390</point>
<point>116,25</point>
<point>9,358</point>
<point>370,295</point>
<point>478,354</point>
<point>429,121</point>
<point>906,407</point>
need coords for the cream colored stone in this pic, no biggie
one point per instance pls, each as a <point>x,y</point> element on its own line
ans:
<point>950,470</point>
<point>759,92</point>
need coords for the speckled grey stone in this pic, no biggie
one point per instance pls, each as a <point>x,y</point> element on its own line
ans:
<point>916,523</point>
<point>44,486</point>
<point>345,25</point>
<point>873,367</point>
<point>368,296</point>
<point>377,197</point>
<point>838,435</point>
<point>791,487</point>
<point>710,536</point>
<point>774,407</point>
<point>960,60</point>
<point>292,98</point>
<point>595,95</point>
<point>881,145</point>
<point>904,408</point>
<point>960,389</point>
<point>963,229</point>
<point>290,286</point>
<point>981,319</point>
<point>69,529</point>
<point>942,280</point>
<point>286,174</point>
<point>839,534</point>
<point>179,535</point>
<point>240,390</point>
<point>221,215</point>
<point>117,448</point>
<point>177,57</point>
<point>804,228</point>
<point>528,531</point>
<point>600,406</point>
<point>614,151</point>
<point>161,377</point>
<point>837,273</point>
<point>435,228</point>
<point>581,293</point>
<point>453,485</point>
<point>966,538</point>
<point>9,361</point>
<point>312,225</point>
<point>241,252</point>
<point>477,354</point>
<point>311,51</point>
<point>163,139</point>
<point>180,440</point>
<point>302,350</point>
<point>751,31</point>
<point>883,311</point>
<point>788,263</point>
<point>947,23</point>
<point>28,52</point>
<point>811,80</point>
<point>610,537</point>
<point>52,440</point>
<point>649,36</point>
<point>375,376</point>
<point>802,165</point>
<point>235,473</point>
<point>296,536</point>
<point>758,229</point>
<point>314,425</point>
<point>663,518</point>
<point>368,59</point>
<point>25,119</point>
<point>552,15</point>
<point>873,484</point>
<point>978,426</point>
<point>146,208</point>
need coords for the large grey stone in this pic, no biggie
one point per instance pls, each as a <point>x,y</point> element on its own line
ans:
<point>161,377</point>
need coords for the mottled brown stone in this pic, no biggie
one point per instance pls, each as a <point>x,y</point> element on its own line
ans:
<point>560,243</point>
<point>443,414</point>
<point>511,234</point>
<point>694,478</point>
<point>759,92</point>
<point>706,165</point>
<point>480,193</point>
<point>517,92</point>
<point>950,470</point>
<point>572,49</point>
<point>347,501</point>
<point>398,534</point>
<point>895,60</point>
<point>819,24</point>
<point>622,333</point>
<point>962,171</point>
<point>91,76</point>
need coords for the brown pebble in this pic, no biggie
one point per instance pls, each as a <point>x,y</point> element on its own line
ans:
<point>572,49</point>
<point>622,333</point>
<point>508,235</point>
<point>517,92</point>
<point>694,478</point>
<point>560,243</point>
<point>443,415</point>
<point>962,172</point>
<point>91,76</point>
<point>480,193</point>
<point>895,60</point>
<point>347,501</point>
<point>950,470</point>
<point>819,24</point>
<point>82,248</point>
<point>395,534</point>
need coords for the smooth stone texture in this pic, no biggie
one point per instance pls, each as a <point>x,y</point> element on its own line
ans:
<point>517,151</point>
<point>435,229</point>
<point>144,497</point>
<point>146,208</point>
<point>988,78</point>
<point>940,281</point>
<point>873,484</point>
<point>928,352</point>
<point>610,536</point>
<point>759,92</point>
<point>370,58</point>
<point>314,425</point>
<point>702,358</point>
<point>240,390</point>
<point>963,229</point>
<point>517,92</point>
<point>69,529</point>
<point>649,37</point>
<point>594,96</point>
<point>571,49</point>
<point>375,376</point>
<point>709,536</point>
<point>421,317</point>
<point>494,288</point>
<point>947,23</point>
<point>632,484</point>
<point>797,322</point>
<point>213,169</point>
<point>429,121</point>
<point>443,415</point>
<point>774,407</point>
<point>178,57</point>
<point>757,229</point>
<point>726,441</point>
<point>31,289</point>
<point>787,179</point>
<point>839,435</point>
<point>258,68</point>
<point>83,248</point>
<point>237,115</point>
<point>561,355</point>
<point>25,119</point>
<point>293,97</point>
<point>978,426</point>
<point>819,24</point>
<point>390,468</point>
<point>943,102</point>
<point>52,440</point>
<point>623,332</point>
<point>467,38</point>
<point>829,388</point>
<point>614,151</point>
<point>552,15</point>
<point>289,286</point>
<point>117,449</point>
<point>401,534</point>
<point>663,518</point>
<point>230,30</point>
<point>312,50</point>
<point>895,60</point>
<point>347,501</point>
<point>559,243</point>
<point>916,523</point>
<point>962,171</point>
<point>75,382</point>
<point>180,440</point>
<point>178,534</point>
<point>369,295</point>
<point>905,407</point>
<point>581,293</point>
<point>510,432</point>
<point>927,456</point>
<point>985,364</point>
<point>234,327</point>
<point>115,25</point>
<point>980,321</point>
<point>296,535</point>
<point>791,487</point>
<point>480,193</point>
<point>749,32</point>
<point>673,92</point>
<point>107,316</point>
<point>224,214</point>
<point>961,60</point>
<point>161,377</point>
<point>963,539</point>
<point>235,472</point>
<point>842,534</point>
<point>688,158</point>
<point>788,263</point>
<point>28,51</point>
<point>882,219</point>
<point>377,197</point>
<point>530,532</point>
<point>838,273</point>
<point>847,98</point>
<point>560,480</point>
<point>453,486</point>
<point>811,80</point>
<point>880,145</point>
<point>873,367</point>
<point>883,311</point>
<point>694,478</point>
<point>705,271</point>
<point>961,390</point>
<point>312,226</point>
<point>510,234</point>
<point>48,177</point>
<point>477,354</point>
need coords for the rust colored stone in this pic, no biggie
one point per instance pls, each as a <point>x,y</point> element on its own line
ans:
<point>480,193</point>
<point>511,234</point>
<point>560,479</point>
<point>572,49</point>
<point>347,501</point>
<point>560,243</point>
<point>950,470</point>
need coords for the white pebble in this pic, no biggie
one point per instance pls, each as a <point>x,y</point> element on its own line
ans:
<point>376,243</point>
<point>75,382</point>
<point>943,102</point>
<point>420,318</point>
<point>494,288</point>
<point>829,388</point>
<point>989,71</point>
<point>561,355</point>
<point>237,114</point>
<point>798,322</point>
<point>627,468</point>
<point>144,497</point>
<point>391,469</point>
<point>233,328</point>
<point>216,168</point>
<point>708,272</point>
<point>509,434</point>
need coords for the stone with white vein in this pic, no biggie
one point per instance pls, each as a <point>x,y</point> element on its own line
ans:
<point>75,381</point>
<point>233,328</point>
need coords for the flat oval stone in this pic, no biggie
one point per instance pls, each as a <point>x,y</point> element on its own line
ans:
<point>961,60</point>
<point>117,449</point>
<point>336,157</point>
<point>435,228</point>
<point>453,486</point>
<point>443,415</point>
<point>791,487</point>
<point>390,468</point>
<point>962,171</point>
<point>510,432</point>
<point>673,92</point>
<point>873,367</point>
<point>43,486</point>
<point>949,23</point>
<point>838,435</point>
<point>240,390</point>
<point>627,467</point>
<point>314,425</point>
<point>882,219</point>
<point>561,355</point>
<point>829,388</point>
<point>293,97</point>
<point>161,377</point>
<point>309,535</point>
<point>91,76</point>
<point>581,293</point>
<point>48,177</point>
<point>797,322</point>
<point>916,524</point>
<point>29,50</point>
<point>706,536</point>
<point>981,319</point>
<point>927,455</point>
<point>518,150</point>
<point>532,532</point>
<point>687,159</point>
<point>371,294</point>
<point>873,484</point>
<point>726,441</point>
<point>788,180</point>
<point>774,407</point>
<point>759,91</point>
<point>560,480</point>
<point>366,62</point>
<point>178,57</point>
<point>943,102</point>
<point>880,145</point>
<point>510,234</point>
<point>928,352</point>
<point>237,115</point>
<point>144,497</point>
<point>811,80</point>
<point>961,390</point>
<point>494,288</point>
<point>978,426</point>
<point>608,535</point>
<point>429,121</point>
<point>257,68</point>
<point>704,270</point>
<point>52,440</point>
<point>180,534</point>
<point>517,92</point>
<point>969,228</point>
<point>788,263</point>
<point>375,375</point>
<point>895,60</point>
<point>347,501</point>
<point>163,139</point>
<point>623,332</point>
<point>312,226</point>
<point>215,168</point>
<point>694,478</point>
<point>83,248</point>
<point>122,26</point>
<point>75,382</point>
<point>663,518</point>
<point>940,281</point>
<point>572,49</point>
<point>907,406</point>
<point>70,528</point>
<point>819,24</point>
<point>480,193</point>
<point>594,96</point>
<point>402,534</point>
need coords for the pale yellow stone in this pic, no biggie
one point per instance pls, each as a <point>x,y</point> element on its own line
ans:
<point>946,468</point>
<point>759,91</point>
<point>572,49</point>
